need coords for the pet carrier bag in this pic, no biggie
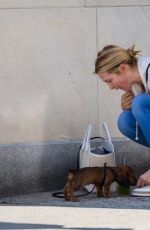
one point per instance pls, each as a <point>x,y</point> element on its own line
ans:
<point>97,156</point>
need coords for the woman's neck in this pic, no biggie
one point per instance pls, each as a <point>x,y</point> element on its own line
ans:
<point>136,78</point>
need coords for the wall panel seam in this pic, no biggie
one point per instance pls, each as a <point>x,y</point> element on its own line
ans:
<point>98,114</point>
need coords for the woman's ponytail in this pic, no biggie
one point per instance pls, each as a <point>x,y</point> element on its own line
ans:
<point>111,56</point>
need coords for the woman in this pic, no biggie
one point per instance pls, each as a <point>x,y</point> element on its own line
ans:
<point>124,69</point>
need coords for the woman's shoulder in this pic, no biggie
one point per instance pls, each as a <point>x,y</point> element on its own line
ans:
<point>143,61</point>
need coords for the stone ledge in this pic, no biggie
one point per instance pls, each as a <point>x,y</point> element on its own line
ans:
<point>9,4</point>
<point>23,4</point>
<point>40,166</point>
<point>99,3</point>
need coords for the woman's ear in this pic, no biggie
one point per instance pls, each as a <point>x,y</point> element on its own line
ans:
<point>123,67</point>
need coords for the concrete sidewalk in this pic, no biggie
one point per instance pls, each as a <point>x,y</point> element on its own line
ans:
<point>42,211</point>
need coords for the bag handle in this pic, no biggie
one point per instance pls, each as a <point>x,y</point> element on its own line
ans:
<point>86,141</point>
<point>87,145</point>
<point>89,138</point>
<point>107,133</point>
<point>86,137</point>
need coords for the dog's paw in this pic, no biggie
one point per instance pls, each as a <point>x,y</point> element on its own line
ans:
<point>108,195</point>
<point>100,195</point>
<point>75,199</point>
<point>67,198</point>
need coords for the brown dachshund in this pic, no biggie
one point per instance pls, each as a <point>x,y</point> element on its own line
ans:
<point>101,177</point>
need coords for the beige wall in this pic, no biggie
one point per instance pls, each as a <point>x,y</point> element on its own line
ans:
<point>47,54</point>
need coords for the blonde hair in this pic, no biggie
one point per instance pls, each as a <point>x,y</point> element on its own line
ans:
<point>111,57</point>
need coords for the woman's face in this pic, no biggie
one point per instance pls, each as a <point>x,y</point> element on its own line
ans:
<point>121,80</point>
<point>115,81</point>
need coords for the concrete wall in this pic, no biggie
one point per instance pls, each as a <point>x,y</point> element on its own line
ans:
<point>47,54</point>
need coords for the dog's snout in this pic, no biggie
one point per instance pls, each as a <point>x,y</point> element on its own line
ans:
<point>134,181</point>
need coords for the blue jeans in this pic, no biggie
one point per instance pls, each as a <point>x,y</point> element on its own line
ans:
<point>140,112</point>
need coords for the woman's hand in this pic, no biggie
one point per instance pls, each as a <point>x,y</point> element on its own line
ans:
<point>126,100</point>
<point>144,179</point>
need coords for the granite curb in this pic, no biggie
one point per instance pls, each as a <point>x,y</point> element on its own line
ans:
<point>43,166</point>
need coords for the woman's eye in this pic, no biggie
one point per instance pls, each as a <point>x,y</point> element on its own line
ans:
<point>108,81</point>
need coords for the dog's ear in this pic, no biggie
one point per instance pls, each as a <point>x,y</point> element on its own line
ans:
<point>127,168</point>
<point>131,177</point>
<point>123,176</point>
<point>130,171</point>
<point>126,176</point>
<point>120,173</point>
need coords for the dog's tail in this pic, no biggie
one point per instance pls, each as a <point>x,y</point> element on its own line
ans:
<point>72,171</point>
<point>71,174</point>
<point>105,164</point>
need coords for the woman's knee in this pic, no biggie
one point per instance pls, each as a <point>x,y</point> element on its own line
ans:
<point>126,122</point>
<point>138,104</point>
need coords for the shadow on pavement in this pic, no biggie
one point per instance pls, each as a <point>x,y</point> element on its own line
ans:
<point>6,225</point>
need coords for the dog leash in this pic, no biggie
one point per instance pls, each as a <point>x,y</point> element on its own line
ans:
<point>60,194</point>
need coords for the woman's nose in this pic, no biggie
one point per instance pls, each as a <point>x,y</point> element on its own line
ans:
<point>111,86</point>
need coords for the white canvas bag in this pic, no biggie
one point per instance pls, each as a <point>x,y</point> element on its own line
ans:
<point>87,157</point>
